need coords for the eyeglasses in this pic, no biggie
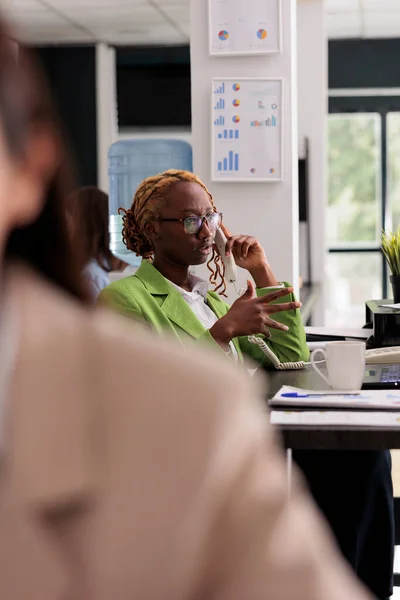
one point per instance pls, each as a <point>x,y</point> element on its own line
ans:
<point>193,225</point>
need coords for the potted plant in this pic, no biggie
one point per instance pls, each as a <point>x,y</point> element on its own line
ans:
<point>390,244</point>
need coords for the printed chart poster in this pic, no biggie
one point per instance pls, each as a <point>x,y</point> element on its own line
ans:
<point>247,129</point>
<point>244,26</point>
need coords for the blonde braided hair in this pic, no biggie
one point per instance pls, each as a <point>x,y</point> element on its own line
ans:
<point>149,198</point>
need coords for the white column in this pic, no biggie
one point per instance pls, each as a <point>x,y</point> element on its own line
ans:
<point>268,211</point>
<point>106,107</point>
<point>313,108</point>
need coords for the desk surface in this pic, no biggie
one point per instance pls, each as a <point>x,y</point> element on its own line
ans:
<point>328,438</point>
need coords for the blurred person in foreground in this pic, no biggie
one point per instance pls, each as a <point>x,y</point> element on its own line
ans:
<point>175,490</point>
<point>89,206</point>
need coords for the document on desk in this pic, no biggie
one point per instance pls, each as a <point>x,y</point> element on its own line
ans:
<point>365,399</point>
<point>392,306</point>
<point>343,333</point>
<point>330,418</point>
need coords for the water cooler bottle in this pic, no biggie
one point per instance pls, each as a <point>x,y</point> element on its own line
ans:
<point>130,162</point>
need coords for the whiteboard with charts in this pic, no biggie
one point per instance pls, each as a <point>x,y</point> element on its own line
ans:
<point>244,26</point>
<point>247,130</point>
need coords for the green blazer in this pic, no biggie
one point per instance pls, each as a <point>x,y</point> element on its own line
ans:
<point>148,297</point>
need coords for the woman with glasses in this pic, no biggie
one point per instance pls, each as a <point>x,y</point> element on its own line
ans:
<point>172,224</point>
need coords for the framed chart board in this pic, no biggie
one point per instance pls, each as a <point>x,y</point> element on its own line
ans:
<point>244,27</point>
<point>247,129</point>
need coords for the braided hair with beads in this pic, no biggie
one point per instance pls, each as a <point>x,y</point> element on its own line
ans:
<point>149,198</point>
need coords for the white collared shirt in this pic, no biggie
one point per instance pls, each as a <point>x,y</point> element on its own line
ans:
<point>197,301</point>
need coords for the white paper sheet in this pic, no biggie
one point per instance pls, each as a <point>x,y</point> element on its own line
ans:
<point>237,27</point>
<point>394,306</point>
<point>346,419</point>
<point>362,334</point>
<point>246,129</point>
<point>366,399</point>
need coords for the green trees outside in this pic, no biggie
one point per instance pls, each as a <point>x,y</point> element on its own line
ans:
<point>354,178</point>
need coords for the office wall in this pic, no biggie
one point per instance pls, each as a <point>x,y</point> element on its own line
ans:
<point>72,74</point>
<point>312,60</point>
<point>267,210</point>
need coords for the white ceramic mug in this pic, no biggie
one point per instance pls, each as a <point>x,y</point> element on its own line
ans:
<point>345,363</point>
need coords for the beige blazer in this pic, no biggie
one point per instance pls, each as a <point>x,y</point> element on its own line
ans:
<point>131,470</point>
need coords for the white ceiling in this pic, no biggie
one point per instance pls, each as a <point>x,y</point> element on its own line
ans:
<point>114,21</point>
<point>148,22</point>
<point>363,18</point>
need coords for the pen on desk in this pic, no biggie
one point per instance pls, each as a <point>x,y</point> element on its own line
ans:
<point>297,395</point>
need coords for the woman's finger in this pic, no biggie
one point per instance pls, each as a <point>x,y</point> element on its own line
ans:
<point>275,308</point>
<point>265,331</point>
<point>272,324</point>
<point>238,246</point>
<point>247,244</point>
<point>274,295</point>
<point>229,245</point>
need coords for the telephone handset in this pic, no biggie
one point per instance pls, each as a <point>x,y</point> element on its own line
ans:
<point>390,356</point>
<point>231,275</point>
<point>230,265</point>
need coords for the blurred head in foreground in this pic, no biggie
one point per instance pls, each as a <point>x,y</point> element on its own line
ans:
<point>34,175</point>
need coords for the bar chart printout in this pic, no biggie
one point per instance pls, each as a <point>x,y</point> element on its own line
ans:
<point>229,163</point>
<point>220,89</point>
<point>251,149</point>
<point>229,134</point>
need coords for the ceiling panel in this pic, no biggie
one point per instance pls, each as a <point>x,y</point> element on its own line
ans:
<point>109,17</point>
<point>62,5</point>
<point>55,34</point>
<point>20,4</point>
<point>179,12</point>
<point>344,25</point>
<point>167,21</point>
<point>381,24</point>
<point>376,18</point>
<point>383,5</point>
<point>137,35</point>
<point>342,5</point>
<point>165,3</point>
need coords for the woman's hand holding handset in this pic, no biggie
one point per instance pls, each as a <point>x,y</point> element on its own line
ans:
<point>250,315</point>
<point>248,254</point>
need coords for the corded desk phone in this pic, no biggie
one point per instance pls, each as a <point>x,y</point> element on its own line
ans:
<point>231,275</point>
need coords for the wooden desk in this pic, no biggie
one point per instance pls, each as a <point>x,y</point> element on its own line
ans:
<point>328,438</point>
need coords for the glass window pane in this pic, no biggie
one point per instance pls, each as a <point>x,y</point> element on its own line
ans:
<point>393,170</point>
<point>354,210</point>
<point>352,279</point>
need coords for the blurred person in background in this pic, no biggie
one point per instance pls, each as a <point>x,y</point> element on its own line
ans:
<point>175,489</point>
<point>89,205</point>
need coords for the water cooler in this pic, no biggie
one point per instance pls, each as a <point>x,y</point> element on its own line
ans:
<point>131,161</point>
